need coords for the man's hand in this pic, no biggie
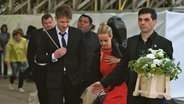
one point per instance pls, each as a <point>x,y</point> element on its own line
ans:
<point>97,88</point>
<point>112,59</point>
<point>60,52</point>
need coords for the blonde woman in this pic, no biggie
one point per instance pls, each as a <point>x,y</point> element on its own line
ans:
<point>16,51</point>
<point>110,56</point>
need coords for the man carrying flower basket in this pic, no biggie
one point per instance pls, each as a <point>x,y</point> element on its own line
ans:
<point>155,70</point>
<point>136,47</point>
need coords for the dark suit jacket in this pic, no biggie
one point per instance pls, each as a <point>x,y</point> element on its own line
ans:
<point>73,61</point>
<point>117,51</point>
<point>92,44</point>
<point>32,47</point>
<point>120,73</point>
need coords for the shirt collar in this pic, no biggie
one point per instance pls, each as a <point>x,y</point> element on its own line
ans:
<point>152,36</point>
<point>58,31</point>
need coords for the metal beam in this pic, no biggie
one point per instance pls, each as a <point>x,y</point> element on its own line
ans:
<point>10,6</point>
<point>179,2</point>
<point>29,7</point>
<point>140,3</point>
<point>20,7</point>
<point>96,5</point>
<point>49,5</point>
<point>159,3</point>
<point>152,3</point>
<point>108,4</point>
<point>74,4</point>
<point>82,4</point>
<point>134,4</point>
<point>39,5</point>
<point>123,5</point>
<point>26,6</point>
<point>58,4</point>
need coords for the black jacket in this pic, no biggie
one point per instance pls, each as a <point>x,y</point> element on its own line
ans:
<point>121,73</point>
<point>74,60</point>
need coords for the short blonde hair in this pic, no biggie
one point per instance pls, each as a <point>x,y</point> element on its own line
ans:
<point>105,29</point>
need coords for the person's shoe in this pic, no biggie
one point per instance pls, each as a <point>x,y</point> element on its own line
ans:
<point>10,86</point>
<point>21,90</point>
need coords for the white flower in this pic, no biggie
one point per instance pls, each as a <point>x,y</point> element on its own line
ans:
<point>140,59</point>
<point>153,65</point>
<point>151,56</point>
<point>161,50</point>
<point>160,54</point>
<point>167,59</point>
<point>145,66</point>
<point>157,62</point>
<point>152,51</point>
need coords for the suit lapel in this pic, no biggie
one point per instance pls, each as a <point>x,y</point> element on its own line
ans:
<point>54,36</point>
<point>70,38</point>
<point>133,46</point>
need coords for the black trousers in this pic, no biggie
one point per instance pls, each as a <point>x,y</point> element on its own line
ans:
<point>67,93</point>
<point>21,79</point>
<point>40,76</point>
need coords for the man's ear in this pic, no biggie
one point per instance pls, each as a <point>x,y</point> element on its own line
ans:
<point>155,22</point>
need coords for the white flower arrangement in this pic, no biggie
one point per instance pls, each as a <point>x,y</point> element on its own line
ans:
<point>156,62</point>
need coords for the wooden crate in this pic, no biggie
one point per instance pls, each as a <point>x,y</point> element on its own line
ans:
<point>157,86</point>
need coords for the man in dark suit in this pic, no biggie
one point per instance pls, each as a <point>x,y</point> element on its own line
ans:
<point>39,71</point>
<point>63,49</point>
<point>136,46</point>
<point>92,44</point>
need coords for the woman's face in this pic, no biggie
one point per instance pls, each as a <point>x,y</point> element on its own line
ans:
<point>105,40</point>
<point>4,29</point>
<point>17,37</point>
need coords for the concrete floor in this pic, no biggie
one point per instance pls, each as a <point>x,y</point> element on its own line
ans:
<point>30,95</point>
<point>8,96</point>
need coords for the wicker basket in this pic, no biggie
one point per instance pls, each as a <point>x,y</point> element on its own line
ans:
<point>157,86</point>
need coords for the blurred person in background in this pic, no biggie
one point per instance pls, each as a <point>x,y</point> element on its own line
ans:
<point>16,52</point>
<point>30,29</point>
<point>4,37</point>
<point>28,74</point>
<point>93,27</point>
<point>92,45</point>
<point>39,70</point>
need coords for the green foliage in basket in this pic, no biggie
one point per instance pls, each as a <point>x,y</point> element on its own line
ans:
<point>156,62</point>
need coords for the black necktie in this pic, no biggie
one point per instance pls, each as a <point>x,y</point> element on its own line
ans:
<point>63,39</point>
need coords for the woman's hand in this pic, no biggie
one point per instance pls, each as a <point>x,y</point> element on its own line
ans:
<point>112,59</point>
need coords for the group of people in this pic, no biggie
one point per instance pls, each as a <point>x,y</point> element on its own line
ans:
<point>4,38</point>
<point>136,47</point>
<point>65,60</point>
<point>13,55</point>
